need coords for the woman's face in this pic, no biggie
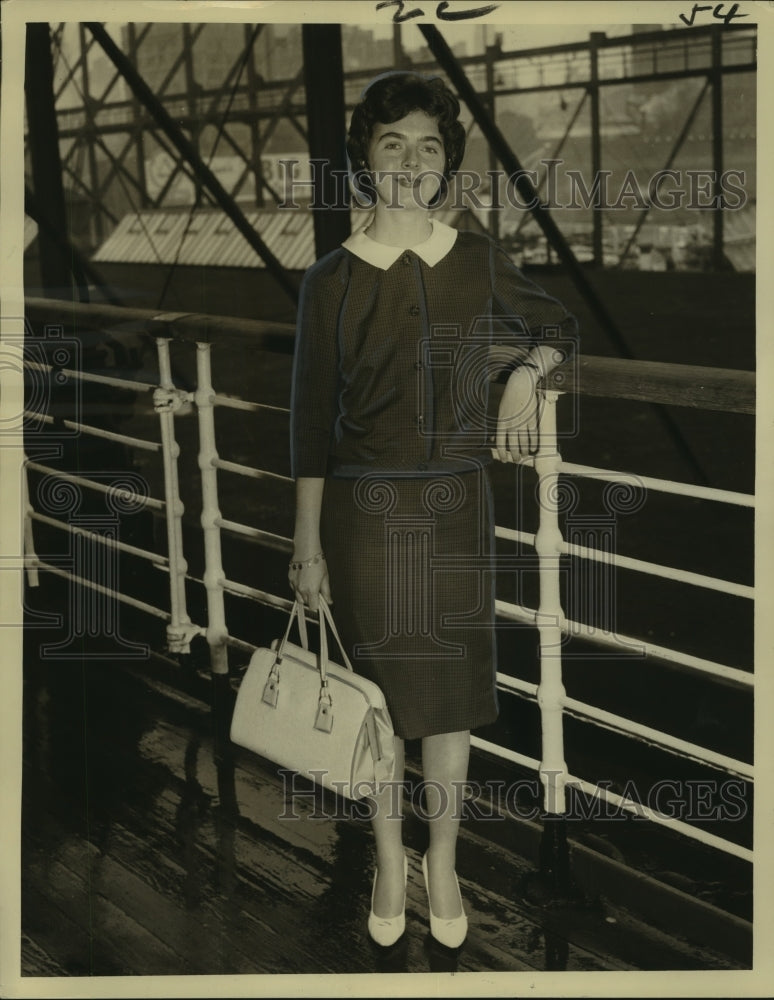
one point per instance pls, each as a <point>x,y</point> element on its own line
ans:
<point>400,153</point>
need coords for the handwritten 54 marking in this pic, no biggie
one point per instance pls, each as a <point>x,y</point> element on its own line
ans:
<point>717,12</point>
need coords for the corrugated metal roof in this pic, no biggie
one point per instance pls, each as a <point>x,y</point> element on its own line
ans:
<point>209,238</point>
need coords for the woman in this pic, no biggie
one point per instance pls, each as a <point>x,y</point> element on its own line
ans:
<point>390,443</point>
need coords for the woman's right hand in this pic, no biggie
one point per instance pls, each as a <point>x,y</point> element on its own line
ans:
<point>308,574</point>
<point>308,579</point>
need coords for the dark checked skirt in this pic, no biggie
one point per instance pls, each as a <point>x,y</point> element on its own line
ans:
<point>410,562</point>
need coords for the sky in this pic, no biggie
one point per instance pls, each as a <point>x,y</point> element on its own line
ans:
<point>522,36</point>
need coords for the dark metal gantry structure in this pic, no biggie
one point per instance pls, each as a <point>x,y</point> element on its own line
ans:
<point>101,144</point>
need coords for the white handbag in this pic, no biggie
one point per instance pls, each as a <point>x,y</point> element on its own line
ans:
<point>315,717</point>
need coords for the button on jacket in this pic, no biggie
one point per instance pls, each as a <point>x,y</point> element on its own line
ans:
<point>393,356</point>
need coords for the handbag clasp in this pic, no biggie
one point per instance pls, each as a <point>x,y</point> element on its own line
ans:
<point>324,718</point>
<point>271,687</point>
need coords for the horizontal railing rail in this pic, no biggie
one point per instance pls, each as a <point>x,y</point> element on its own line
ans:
<point>675,385</point>
<point>698,387</point>
<point>701,387</point>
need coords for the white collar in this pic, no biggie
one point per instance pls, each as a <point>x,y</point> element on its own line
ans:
<point>432,250</point>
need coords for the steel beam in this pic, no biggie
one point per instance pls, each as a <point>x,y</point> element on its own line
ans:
<point>326,125</point>
<point>670,160</point>
<point>596,143</point>
<point>81,269</point>
<point>510,162</point>
<point>253,83</point>
<point>192,100</point>
<point>557,150</point>
<point>718,255</point>
<point>553,234</point>
<point>43,138</point>
<point>187,151</point>
<point>675,74</point>
<point>137,135</point>
<point>92,154</point>
<point>489,53</point>
<point>73,68</point>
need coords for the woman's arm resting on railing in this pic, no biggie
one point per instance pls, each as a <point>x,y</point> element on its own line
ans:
<point>552,334</point>
<point>518,414</point>
<point>308,573</point>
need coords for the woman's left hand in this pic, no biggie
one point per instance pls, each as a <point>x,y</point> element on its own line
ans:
<point>517,418</point>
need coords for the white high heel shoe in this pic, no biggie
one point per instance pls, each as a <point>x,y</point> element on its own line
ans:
<point>450,933</point>
<point>386,930</point>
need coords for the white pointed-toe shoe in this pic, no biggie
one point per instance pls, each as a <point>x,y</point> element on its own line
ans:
<point>386,930</point>
<point>450,933</point>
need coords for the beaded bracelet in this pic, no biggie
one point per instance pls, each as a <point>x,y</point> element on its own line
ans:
<point>319,557</point>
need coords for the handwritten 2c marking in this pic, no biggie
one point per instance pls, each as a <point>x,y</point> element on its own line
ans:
<point>442,11</point>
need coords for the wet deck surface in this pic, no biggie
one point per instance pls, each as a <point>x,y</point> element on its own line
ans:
<point>142,856</point>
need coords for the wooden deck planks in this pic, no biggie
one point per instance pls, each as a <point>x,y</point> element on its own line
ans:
<point>187,867</point>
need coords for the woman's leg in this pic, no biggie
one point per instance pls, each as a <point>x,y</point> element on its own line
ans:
<point>387,824</point>
<point>445,767</point>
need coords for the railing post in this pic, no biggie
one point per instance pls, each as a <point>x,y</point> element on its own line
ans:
<point>554,864</point>
<point>217,633</point>
<point>166,401</point>
<point>30,556</point>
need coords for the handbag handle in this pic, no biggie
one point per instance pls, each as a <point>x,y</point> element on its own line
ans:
<point>326,616</point>
<point>324,613</point>
<point>271,687</point>
<point>297,613</point>
<point>324,718</point>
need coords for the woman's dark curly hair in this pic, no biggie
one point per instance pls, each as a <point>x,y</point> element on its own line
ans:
<point>391,97</point>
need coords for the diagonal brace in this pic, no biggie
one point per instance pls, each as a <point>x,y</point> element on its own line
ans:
<point>187,151</point>
<point>448,62</point>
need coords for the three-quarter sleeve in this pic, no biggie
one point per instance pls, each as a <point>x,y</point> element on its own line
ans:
<point>538,313</point>
<point>314,390</point>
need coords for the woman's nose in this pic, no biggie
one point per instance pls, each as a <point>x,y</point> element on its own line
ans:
<point>410,158</point>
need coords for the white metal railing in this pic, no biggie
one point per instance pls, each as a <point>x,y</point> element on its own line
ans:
<point>661,485</point>
<point>214,577</point>
<point>71,477</point>
<point>550,693</point>
<point>550,547</point>
<point>167,400</point>
<point>631,806</point>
